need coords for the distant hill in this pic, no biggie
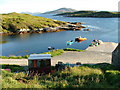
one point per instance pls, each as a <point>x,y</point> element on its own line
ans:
<point>35,13</point>
<point>12,22</point>
<point>61,10</point>
<point>91,14</point>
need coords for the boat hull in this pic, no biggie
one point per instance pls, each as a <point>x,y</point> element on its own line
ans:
<point>80,39</point>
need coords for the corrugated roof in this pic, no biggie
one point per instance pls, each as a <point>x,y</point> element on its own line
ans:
<point>39,56</point>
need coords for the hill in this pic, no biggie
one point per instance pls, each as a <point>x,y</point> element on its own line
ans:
<point>61,10</point>
<point>91,14</point>
<point>12,22</point>
<point>35,13</point>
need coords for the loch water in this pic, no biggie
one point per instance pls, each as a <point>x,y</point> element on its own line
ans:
<point>105,29</point>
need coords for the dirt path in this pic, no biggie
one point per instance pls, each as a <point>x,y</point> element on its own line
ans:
<point>92,55</point>
<point>22,62</point>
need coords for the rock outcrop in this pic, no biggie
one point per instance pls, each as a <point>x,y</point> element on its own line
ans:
<point>116,57</point>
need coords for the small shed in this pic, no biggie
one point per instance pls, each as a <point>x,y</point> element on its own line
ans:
<point>39,63</point>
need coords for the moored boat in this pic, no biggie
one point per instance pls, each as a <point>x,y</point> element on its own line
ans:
<point>80,39</point>
<point>70,42</point>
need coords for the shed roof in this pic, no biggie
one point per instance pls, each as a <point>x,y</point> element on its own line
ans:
<point>39,56</point>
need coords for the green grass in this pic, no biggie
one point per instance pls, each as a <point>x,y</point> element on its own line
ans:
<point>102,66</point>
<point>15,57</point>
<point>14,68</point>
<point>53,53</point>
<point>113,76</point>
<point>11,22</point>
<point>72,77</point>
<point>12,80</point>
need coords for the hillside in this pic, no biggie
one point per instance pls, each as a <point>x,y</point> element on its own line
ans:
<point>61,10</point>
<point>86,76</point>
<point>91,14</point>
<point>12,22</point>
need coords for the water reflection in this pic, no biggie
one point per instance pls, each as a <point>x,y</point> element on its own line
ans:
<point>23,51</point>
<point>2,42</point>
<point>24,36</point>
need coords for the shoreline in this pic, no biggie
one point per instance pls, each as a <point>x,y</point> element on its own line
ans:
<point>86,56</point>
<point>100,48</point>
<point>4,34</point>
<point>86,16</point>
<point>70,26</point>
<point>91,55</point>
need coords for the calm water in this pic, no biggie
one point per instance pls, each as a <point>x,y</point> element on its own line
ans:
<point>105,29</point>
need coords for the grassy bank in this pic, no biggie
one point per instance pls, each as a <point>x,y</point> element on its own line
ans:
<point>72,77</point>
<point>53,53</point>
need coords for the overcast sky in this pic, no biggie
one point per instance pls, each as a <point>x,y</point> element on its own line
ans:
<point>7,6</point>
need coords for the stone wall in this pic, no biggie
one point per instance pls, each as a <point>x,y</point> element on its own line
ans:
<point>116,57</point>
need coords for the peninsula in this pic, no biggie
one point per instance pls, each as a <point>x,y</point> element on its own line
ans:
<point>99,14</point>
<point>16,23</point>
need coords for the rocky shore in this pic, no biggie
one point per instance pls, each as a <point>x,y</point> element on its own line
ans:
<point>70,26</point>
